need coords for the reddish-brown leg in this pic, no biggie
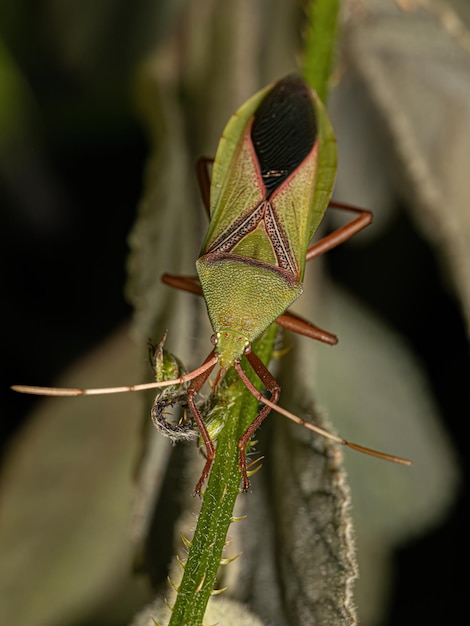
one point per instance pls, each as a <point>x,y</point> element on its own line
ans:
<point>273,387</point>
<point>202,172</point>
<point>194,388</point>
<point>186,283</point>
<point>298,325</point>
<point>191,283</point>
<point>295,323</point>
<point>341,234</point>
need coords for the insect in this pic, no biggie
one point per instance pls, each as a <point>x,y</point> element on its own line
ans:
<point>272,179</point>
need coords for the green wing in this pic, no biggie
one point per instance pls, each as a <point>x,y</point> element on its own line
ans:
<point>296,207</point>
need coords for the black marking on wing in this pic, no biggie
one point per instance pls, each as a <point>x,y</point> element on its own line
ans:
<point>284,130</point>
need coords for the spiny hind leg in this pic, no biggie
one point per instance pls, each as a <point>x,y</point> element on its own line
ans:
<point>194,388</point>
<point>273,387</point>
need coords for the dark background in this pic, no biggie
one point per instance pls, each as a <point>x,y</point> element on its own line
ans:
<point>69,188</point>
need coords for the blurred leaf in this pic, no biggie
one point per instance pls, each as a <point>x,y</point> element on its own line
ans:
<point>401,114</point>
<point>309,511</point>
<point>65,499</point>
<point>373,389</point>
<point>414,66</point>
<point>92,40</point>
<point>17,105</point>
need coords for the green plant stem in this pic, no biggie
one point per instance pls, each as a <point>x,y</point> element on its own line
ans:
<point>219,498</point>
<point>320,41</point>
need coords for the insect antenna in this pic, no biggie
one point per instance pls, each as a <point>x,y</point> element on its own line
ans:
<point>72,391</point>
<point>317,429</point>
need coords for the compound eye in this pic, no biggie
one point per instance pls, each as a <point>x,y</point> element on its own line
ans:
<point>247,349</point>
<point>214,339</point>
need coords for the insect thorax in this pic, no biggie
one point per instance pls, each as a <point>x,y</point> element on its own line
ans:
<point>230,346</point>
<point>244,296</point>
